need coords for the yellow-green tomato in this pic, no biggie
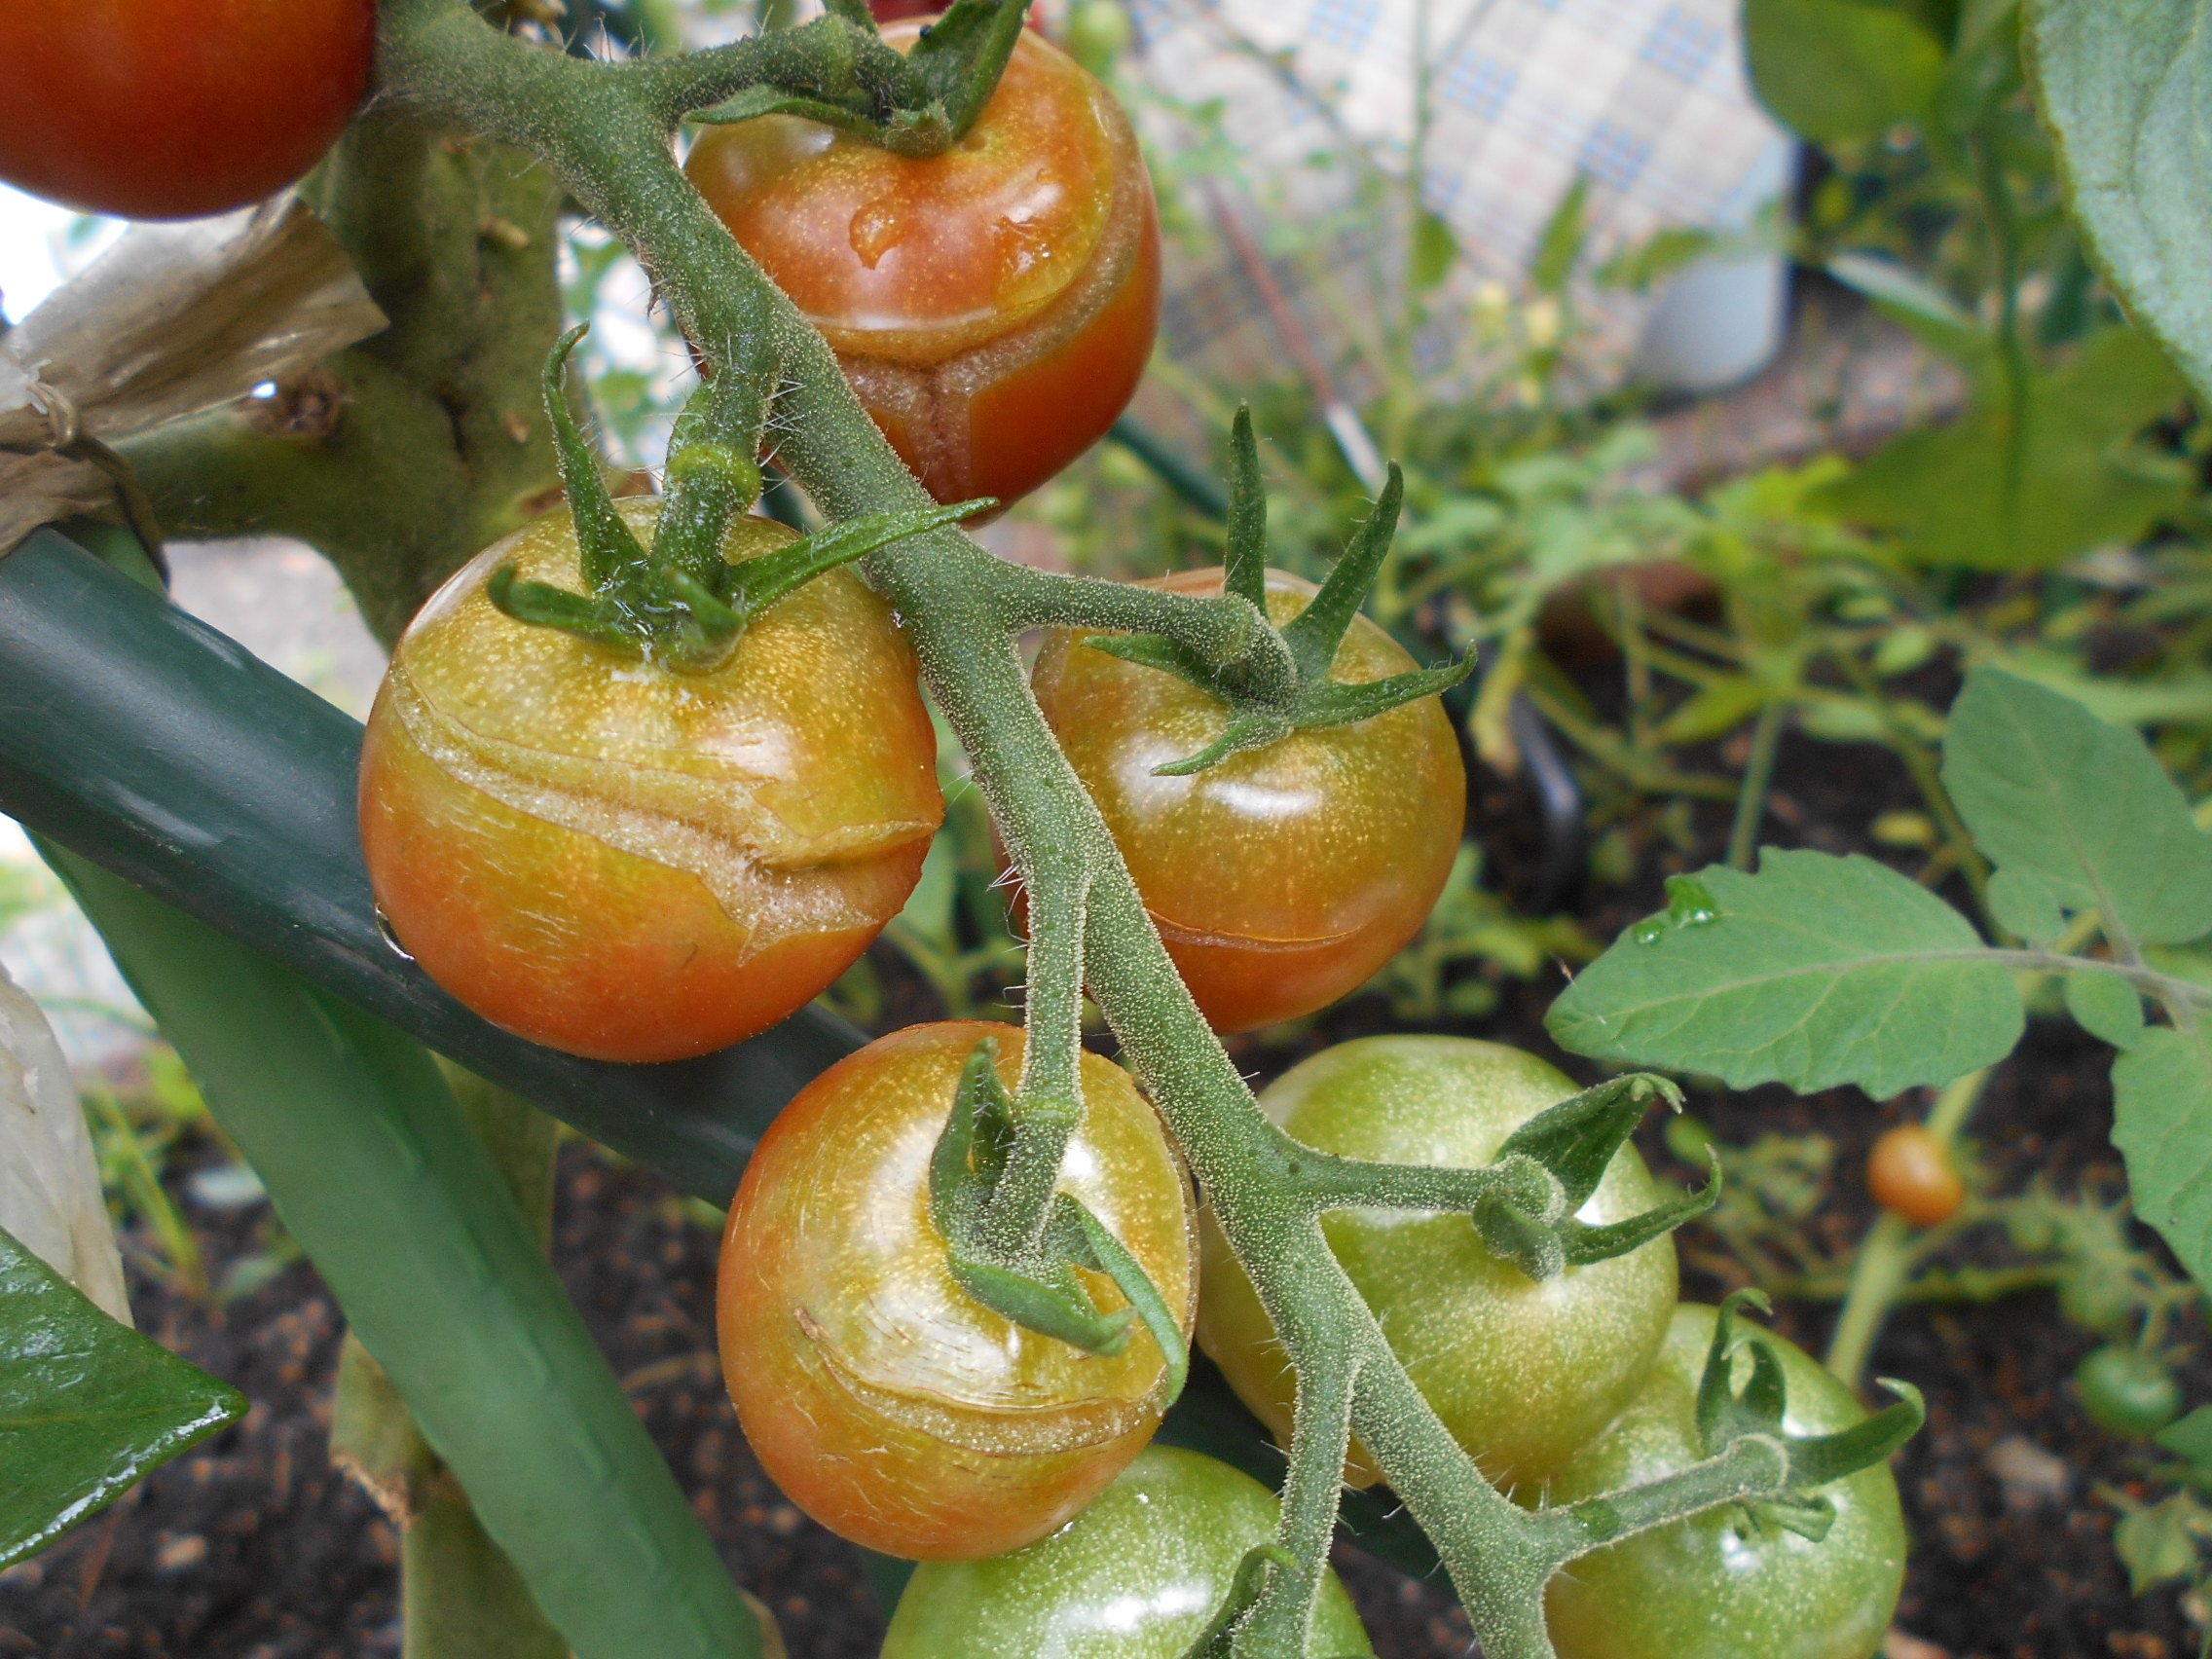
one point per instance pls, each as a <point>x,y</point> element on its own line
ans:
<point>1722,1585</point>
<point>1137,1575</point>
<point>610,857</point>
<point>1524,1374</point>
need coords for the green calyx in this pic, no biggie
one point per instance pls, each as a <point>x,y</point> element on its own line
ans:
<point>1576,1141</point>
<point>839,71</point>
<point>1726,1415</point>
<point>681,604</point>
<point>1037,1287</point>
<point>1263,715</point>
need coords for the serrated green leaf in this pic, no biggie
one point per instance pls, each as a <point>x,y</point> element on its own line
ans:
<point>1818,970</point>
<point>2106,1007</point>
<point>2190,1439</point>
<point>2157,1544</point>
<point>2125,89</point>
<point>88,1406</point>
<point>2049,790</point>
<point>1831,69</point>
<point>2025,904</point>
<point>1967,495</point>
<point>2162,1124</point>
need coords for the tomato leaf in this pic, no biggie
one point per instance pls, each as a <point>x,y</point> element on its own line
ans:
<point>2106,1007</point>
<point>1831,69</point>
<point>2083,807</point>
<point>1982,494</point>
<point>1818,970</point>
<point>2126,88</point>
<point>87,1406</point>
<point>2162,1124</point>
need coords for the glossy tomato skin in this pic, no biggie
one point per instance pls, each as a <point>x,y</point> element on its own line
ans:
<point>993,306</point>
<point>172,109</point>
<point>1910,1175</point>
<point>1134,1576</point>
<point>1523,1374</point>
<point>630,862</point>
<point>1713,1587</point>
<point>885,1401</point>
<point>1281,879</point>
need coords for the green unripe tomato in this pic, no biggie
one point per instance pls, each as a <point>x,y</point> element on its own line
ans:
<point>2127,1393</point>
<point>1523,1374</point>
<point>1721,1585</point>
<point>1099,31</point>
<point>1137,1575</point>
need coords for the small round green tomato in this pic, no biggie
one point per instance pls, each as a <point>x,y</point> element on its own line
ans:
<point>1136,1575</point>
<point>1717,1586</point>
<point>1523,1374</point>
<point>2128,1392</point>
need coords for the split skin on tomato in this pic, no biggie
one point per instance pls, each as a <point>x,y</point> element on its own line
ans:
<point>1137,1575</point>
<point>172,109</point>
<point>1524,1374</point>
<point>1283,879</point>
<point>1725,1584</point>
<point>993,305</point>
<point>625,861</point>
<point>886,1402</point>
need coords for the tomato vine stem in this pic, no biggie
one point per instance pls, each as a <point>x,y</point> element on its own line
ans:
<point>604,131</point>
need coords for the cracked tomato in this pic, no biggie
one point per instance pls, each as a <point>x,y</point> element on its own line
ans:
<point>173,109</point>
<point>886,1402</point>
<point>634,864</point>
<point>1282,878</point>
<point>1523,1374</point>
<point>993,305</point>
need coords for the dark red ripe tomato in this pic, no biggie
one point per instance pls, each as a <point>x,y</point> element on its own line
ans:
<point>993,305</point>
<point>173,109</point>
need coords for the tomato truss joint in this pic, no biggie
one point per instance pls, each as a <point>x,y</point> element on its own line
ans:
<point>1037,1288</point>
<point>1726,1415</point>
<point>681,604</point>
<point>1312,638</point>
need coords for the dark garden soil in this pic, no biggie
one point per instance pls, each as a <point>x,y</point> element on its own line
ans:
<point>252,1548</point>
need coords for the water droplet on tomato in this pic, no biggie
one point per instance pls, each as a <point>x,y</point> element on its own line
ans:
<point>877,228</point>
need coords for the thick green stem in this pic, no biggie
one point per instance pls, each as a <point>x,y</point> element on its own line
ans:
<point>1049,1103</point>
<point>1320,1436</point>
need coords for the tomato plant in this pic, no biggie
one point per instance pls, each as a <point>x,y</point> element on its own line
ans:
<point>885,1400</point>
<point>1728,1584</point>
<point>629,862</point>
<point>1282,878</point>
<point>992,306</point>
<point>1910,1175</point>
<point>1134,1576</point>
<point>2129,1391</point>
<point>172,109</point>
<point>1523,1372</point>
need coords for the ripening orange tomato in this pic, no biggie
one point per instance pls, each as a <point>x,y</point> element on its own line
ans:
<point>172,109</point>
<point>630,862</point>
<point>1281,879</point>
<point>1910,1175</point>
<point>886,1402</point>
<point>993,305</point>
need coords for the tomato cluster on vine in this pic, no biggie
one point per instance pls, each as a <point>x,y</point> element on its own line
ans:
<point>613,805</point>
